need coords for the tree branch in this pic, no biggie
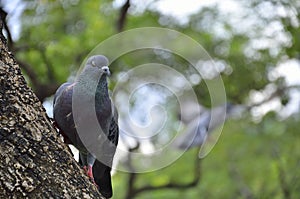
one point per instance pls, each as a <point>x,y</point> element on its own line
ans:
<point>282,181</point>
<point>132,174</point>
<point>23,47</point>
<point>41,90</point>
<point>122,17</point>
<point>50,72</point>
<point>172,185</point>
<point>29,71</point>
<point>278,92</point>
<point>3,15</point>
<point>281,176</point>
<point>243,189</point>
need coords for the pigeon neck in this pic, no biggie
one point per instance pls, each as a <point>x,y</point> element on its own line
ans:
<point>91,84</point>
<point>102,89</point>
<point>103,104</point>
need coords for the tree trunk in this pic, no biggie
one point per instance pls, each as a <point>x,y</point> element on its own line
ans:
<point>34,162</point>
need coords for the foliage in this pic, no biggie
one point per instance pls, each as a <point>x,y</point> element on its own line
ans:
<point>247,156</point>
<point>62,32</point>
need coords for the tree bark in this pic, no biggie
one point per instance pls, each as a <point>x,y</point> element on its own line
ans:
<point>34,162</point>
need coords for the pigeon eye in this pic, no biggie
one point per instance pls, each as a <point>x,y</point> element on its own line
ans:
<point>93,63</point>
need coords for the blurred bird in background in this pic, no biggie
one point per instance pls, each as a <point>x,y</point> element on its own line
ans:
<point>199,124</point>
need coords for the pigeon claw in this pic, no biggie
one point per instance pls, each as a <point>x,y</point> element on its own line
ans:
<point>88,170</point>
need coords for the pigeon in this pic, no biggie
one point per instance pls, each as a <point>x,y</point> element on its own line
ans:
<point>96,144</point>
<point>200,127</point>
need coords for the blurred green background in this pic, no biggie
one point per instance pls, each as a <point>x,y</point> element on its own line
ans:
<point>255,43</point>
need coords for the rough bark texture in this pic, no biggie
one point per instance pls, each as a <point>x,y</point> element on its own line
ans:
<point>34,163</point>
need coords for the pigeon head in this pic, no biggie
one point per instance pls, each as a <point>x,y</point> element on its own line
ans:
<point>94,72</point>
<point>97,65</point>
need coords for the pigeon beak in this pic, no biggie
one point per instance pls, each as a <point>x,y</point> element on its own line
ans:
<point>105,70</point>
